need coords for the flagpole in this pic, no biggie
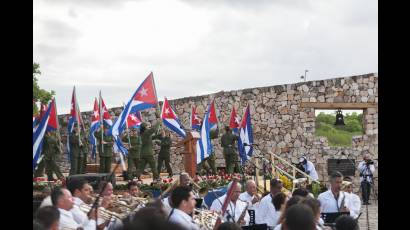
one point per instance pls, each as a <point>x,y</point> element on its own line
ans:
<point>58,126</point>
<point>77,116</point>
<point>101,125</point>
<point>126,127</point>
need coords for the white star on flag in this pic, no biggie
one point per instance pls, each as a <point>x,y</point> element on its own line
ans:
<point>196,118</point>
<point>166,111</point>
<point>133,117</point>
<point>237,120</point>
<point>96,114</point>
<point>144,92</point>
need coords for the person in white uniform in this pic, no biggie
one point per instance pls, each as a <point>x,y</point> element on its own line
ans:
<point>309,168</point>
<point>334,200</point>
<point>183,205</point>
<point>355,203</point>
<point>250,196</point>
<point>62,199</point>
<point>265,213</point>
<point>235,207</point>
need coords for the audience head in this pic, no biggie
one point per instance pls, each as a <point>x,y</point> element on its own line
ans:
<point>336,179</point>
<point>299,217</point>
<point>345,222</point>
<point>48,217</point>
<point>276,186</point>
<point>279,200</point>
<point>183,199</point>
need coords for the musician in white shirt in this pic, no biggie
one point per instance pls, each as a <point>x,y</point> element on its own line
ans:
<point>235,207</point>
<point>184,180</point>
<point>355,203</point>
<point>334,200</point>
<point>62,199</point>
<point>250,196</point>
<point>183,205</point>
<point>265,213</point>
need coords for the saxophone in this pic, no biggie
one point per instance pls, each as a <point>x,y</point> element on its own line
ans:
<point>242,216</point>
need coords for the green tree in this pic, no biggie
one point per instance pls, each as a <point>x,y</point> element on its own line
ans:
<point>39,94</point>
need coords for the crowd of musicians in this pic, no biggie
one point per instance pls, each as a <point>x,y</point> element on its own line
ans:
<point>78,206</point>
<point>71,207</point>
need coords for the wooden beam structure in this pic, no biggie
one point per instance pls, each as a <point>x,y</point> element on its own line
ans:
<point>342,105</point>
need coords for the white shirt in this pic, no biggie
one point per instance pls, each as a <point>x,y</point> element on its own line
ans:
<point>328,201</point>
<point>235,210</point>
<point>365,171</point>
<point>46,202</point>
<point>354,204</point>
<point>312,171</point>
<point>183,219</point>
<point>79,216</point>
<point>248,199</point>
<point>276,217</point>
<point>67,221</point>
<point>265,212</point>
<point>167,206</point>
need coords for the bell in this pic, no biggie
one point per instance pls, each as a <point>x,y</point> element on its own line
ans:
<point>339,118</point>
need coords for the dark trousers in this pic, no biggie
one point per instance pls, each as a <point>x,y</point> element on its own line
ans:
<point>366,186</point>
<point>164,159</point>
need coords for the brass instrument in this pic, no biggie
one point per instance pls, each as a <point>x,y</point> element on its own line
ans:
<point>242,216</point>
<point>105,214</point>
<point>206,219</point>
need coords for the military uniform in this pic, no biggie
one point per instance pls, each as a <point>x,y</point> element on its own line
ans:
<point>106,155</point>
<point>147,154</point>
<point>51,148</point>
<point>231,158</point>
<point>83,156</point>
<point>164,153</point>
<point>75,154</point>
<point>133,153</point>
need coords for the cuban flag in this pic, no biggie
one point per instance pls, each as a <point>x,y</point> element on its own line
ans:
<point>53,121</point>
<point>213,121</point>
<point>38,136</point>
<point>105,115</point>
<point>204,145</point>
<point>95,125</point>
<point>234,121</point>
<point>170,119</point>
<point>138,114</point>
<point>144,97</point>
<point>34,123</point>
<point>195,122</point>
<point>133,121</point>
<point>74,118</point>
<point>246,137</point>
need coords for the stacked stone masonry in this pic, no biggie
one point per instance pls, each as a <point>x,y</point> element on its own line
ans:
<point>280,124</point>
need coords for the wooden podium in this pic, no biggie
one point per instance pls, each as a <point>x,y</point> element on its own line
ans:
<point>189,152</point>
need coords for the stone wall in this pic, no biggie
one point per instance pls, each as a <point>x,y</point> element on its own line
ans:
<point>281,125</point>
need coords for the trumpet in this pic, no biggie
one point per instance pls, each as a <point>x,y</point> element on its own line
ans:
<point>104,213</point>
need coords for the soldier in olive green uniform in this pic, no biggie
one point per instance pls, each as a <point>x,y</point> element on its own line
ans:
<point>105,151</point>
<point>164,152</point>
<point>133,152</point>
<point>228,145</point>
<point>51,148</point>
<point>83,156</point>
<point>147,154</point>
<point>75,152</point>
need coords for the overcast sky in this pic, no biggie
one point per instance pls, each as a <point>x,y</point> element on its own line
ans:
<point>196,47</point>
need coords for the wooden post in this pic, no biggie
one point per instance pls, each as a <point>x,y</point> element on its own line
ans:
<point>189,152</point>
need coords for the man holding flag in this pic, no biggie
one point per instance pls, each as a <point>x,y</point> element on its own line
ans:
<point>51,149</point>
<point>105,147</point>
<point>147,154</point>
<point>133,151</point>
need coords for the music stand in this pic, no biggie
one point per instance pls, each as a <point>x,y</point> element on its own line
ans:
<point>330,217</point>
<point>255,227</point>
